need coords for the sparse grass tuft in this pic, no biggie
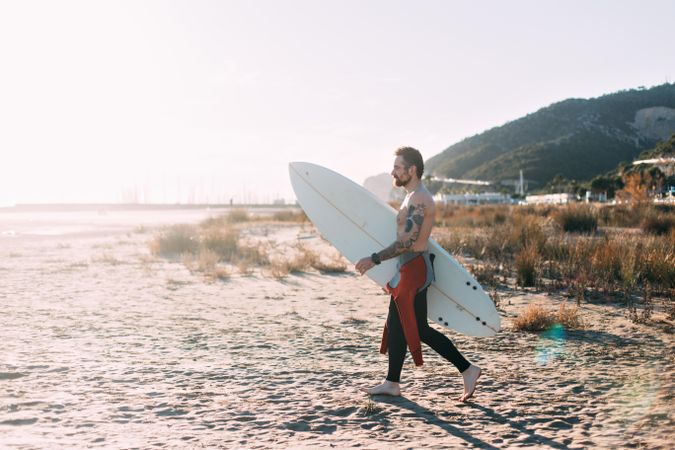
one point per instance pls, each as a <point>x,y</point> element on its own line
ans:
<point>107,258</point>
<point>175,241</point>
<point>290,216</point>
<point>224,242</point>
<point>369,408</point>
<point>537,318</point>
<point>238,216</point>
<point>569,317</point>
<point>534,318</point>
<point>205,262</point>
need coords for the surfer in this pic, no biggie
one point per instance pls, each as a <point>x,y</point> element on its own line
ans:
<point>407,320</point>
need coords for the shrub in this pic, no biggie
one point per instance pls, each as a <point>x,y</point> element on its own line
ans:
<point>336,265</point>
<point>174,241</point>
<point>526,231</point>
<point>527,261</point>
<point>569,317</point>
<point>222,241</point>
<point>577,219</point>
<point>658,224</point>
<point>534,318</point>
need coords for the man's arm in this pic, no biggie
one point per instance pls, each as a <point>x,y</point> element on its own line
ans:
<point>419,221</point>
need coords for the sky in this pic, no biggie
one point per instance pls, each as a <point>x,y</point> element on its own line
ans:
<point>207,101</point>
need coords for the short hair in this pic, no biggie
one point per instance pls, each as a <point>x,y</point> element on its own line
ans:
<point>412,157</point>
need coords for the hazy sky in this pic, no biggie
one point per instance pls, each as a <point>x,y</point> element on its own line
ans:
<point>209,100</point>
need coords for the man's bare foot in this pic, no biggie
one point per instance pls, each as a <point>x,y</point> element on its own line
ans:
<point>471,376</point>
<point>386,388</point>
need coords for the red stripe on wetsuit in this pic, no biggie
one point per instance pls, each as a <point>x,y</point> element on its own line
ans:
<point>413,276</point>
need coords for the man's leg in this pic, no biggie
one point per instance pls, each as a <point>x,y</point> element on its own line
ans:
<point>396,351</point>
<point>444,347</point>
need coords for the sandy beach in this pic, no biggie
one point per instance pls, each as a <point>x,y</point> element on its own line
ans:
<point>106,346</point>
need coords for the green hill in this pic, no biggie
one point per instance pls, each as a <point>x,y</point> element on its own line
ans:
<point>576,138</point>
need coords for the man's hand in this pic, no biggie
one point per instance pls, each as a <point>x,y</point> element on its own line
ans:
<point>364,265</point>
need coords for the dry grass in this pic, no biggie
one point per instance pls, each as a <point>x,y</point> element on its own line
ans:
<point>532,248</point>
<point>577,219</point>
<point>302,261</point>
<point>527,263</point>
<point>534,318</point>
<point>369,409</point>
<point>203,249</point>
<point>174,241</point>
<point>658,224</point>
<point>107,258</point>
<point>336,264</point>
<point>569,317</point>
<point>537,318</point>
<point>290,216</point>
<point>223,242</point>
<point>206,263</point>
<point>460,216</point>
<point>238,216</point>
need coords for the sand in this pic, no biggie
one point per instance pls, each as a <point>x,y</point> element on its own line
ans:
<point>106,346</point>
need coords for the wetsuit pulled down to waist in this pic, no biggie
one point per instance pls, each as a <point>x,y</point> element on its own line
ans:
<point>415,274</point>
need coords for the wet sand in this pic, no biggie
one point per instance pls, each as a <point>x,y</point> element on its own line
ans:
<point>104,345</point>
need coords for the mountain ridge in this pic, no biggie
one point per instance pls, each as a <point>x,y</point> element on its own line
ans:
<point>576,138</point>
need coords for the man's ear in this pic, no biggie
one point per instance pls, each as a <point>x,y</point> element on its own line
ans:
<point>414,167</point>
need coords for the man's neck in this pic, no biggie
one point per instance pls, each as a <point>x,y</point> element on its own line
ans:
<point>412,185</point>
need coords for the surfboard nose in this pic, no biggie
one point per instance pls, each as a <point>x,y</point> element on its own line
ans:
<point>300,167</point>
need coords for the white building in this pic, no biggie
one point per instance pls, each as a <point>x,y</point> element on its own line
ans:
<point>551,199</point>
<point>472,199</point>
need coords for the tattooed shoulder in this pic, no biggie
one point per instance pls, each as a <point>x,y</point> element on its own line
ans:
<point>415,216</point>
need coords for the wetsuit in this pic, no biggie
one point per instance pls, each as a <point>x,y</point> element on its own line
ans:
<point>407,323</point>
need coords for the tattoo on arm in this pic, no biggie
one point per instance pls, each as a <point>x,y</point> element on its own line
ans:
<point>412,228</point>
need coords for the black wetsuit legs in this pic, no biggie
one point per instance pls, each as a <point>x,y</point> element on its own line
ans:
<point>433,338</point>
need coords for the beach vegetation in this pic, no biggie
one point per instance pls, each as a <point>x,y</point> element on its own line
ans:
<point>369,408</point>
<point>108,258</point>
<point>238,216</point>
<point>569,317</point>
<point>173,241</point>
<point>534,318</point>
<point>527,262</point>
<point>336,264</point>
<point>577,219</point>
<point>532,248</point>
<point>658,224</point>
<point>289,216</point>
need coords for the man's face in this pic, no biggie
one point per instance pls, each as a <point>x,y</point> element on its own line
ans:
<point>402,176</point>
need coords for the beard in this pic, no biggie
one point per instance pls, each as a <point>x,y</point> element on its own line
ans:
<point>398,182</point>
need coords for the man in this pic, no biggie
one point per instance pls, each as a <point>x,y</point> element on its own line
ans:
<point>407,320</point>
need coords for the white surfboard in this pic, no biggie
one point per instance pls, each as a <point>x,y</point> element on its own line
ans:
<point>358,223</point>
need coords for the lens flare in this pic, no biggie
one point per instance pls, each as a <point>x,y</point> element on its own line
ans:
<point>551,345</point>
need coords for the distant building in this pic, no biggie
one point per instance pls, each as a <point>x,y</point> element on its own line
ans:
<point>472,199</point>
<point>591,197</point>
<point>551,199</point>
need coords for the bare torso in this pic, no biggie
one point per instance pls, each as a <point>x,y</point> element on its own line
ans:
<point>416,215</point>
